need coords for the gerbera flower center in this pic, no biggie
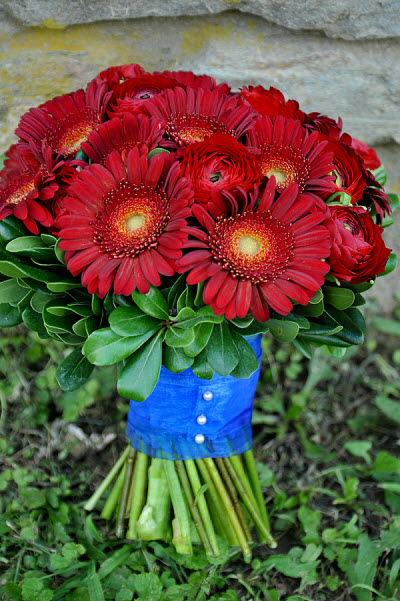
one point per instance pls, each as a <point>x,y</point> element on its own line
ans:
<point>249,245</point>
<point>187,129</point>
<point>133,219</point>
<point>20,193</point>
<point>286,165</point>
<point>254,246</point>
<point>135,222</point>
<point>67,136</point>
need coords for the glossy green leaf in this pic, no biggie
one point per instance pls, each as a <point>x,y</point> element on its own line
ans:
<point>201,367</point>
<point>156,151</point>
<point>176,290</point>
<point>255,327</point>
<point>131,321</point>
<point>328,328</point>
<point>34,320</point>
<point>79,327</point>
<point>40,299</point>
<point>313,309</point>
<point>298,318</point>
<point>61,284</point>
<point>153,303</point>
<point>248,362</point>
<point>59,253</point>
<point>390,264</point>
<point>242,322</point>
<point>33,247</point>
<point>351,332</point>
<point>139,377</point>
<point>105,347</point>
<point>179,337</point>
<point>9,316</point>
<point>11,292</point>
<point>198,301</point>
<point>96,304</point>
<point>73,372</point>
<point>175,359</point>
<point>338,297</point>
<point>221,351</point>
<point>317,298</point>
<point>284,331</point>
<point>202,333</point>
<point>187,319</point>
<point>10,228</point>
<point>303,346</point>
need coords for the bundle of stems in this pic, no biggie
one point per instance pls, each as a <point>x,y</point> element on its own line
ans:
<point>190,501</point>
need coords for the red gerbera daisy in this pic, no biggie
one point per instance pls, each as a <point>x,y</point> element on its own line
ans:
<point>263,257</point>
<point>63,123</point>
<point>192,115</point>
<point>131,95</point>
<point>125,224</point>
<point>115,75</point>
<point>10,164</point>
<point>190,80</point>
<point>291,154</point>
<point>139,131</point>
<point>26,191</point>
<point>219,163</point>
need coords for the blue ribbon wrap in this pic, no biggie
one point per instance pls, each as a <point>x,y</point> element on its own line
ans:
<point>186,417</point>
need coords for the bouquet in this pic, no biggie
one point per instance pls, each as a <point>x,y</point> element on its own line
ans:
<point>163,223</point>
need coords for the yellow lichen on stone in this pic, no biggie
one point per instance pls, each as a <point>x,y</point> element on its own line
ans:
<point>194,38</point>
<point>51,24</point>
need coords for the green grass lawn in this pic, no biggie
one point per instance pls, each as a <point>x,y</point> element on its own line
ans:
<point>327,441</point>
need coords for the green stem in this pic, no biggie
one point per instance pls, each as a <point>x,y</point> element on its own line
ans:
<point>154,519</point>
<point>119,524</point>
<point>92,502</point>
<point>255,484</point>
<point>112,500</point>
<point>202,504</point>
<point>234,498</point>
<point>239,469</point>
<point>198,522</point>
<point>139,492</point>
<point>229,508</point>
<point>217,508</point>
<point>252,509</point>
<point>181,524</point>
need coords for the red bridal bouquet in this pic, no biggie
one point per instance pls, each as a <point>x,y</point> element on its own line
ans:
<point>162,223</point>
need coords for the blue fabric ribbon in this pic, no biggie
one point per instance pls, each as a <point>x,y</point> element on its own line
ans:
<point>186,417</point>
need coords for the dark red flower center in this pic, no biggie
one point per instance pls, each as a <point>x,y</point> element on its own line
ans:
<point>133,219</point>
<point>254,246</point>
<point>68,134</point>
<point>187,129</point>
<point>286,169</point>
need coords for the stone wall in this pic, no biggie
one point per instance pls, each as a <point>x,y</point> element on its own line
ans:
<point>340,58</point>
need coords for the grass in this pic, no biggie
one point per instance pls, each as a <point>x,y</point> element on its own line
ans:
<point>327,440</point>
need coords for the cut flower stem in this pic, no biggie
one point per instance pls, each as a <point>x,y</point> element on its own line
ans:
<point>194,501</point>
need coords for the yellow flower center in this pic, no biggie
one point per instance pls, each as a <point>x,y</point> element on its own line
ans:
<point>249,245</point>
<point>280,176</point>
<point>135,222</point>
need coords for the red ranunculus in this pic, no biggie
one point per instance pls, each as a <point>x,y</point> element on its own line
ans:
<point>358,251</point>
<point>368,155</point>
<point>219,163</point>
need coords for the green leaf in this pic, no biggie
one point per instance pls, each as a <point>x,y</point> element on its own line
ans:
<point>148,587</point>
<point>351,332</point>
<point>11,228</point>
<point>105,347</point>
<point>33,320</point>
<point>363,571</point>
<point>176,290</point>
<point>73,372</point>
<point>340,298</point>
<point>386,325</point>
<point>202,333</point>
<point>156,151</point>
<point>221,351</point>
<point>175,359</point>
<point>317,298</point>
<point>61,284</point>
<point>131,321</point>
<point>359,448</point>
<point>201,367</point>
<point>255,327</point>
<point>310,520</point>
<point>284,331</point>
<point>390,265</point>
<point>140,375</point>
<point>32,247</point>
<point>184,319</point>
<point>9,316</point>
<point>313,309</point>
<point>303,346</point>
<point>242,322</point>
<point>389,407</point>
<point>179,337</point>
<point>94,585</point>
<point>153,303</point>
<point>40,299</point>
<point>248,362</point>
<point>11,292</point>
